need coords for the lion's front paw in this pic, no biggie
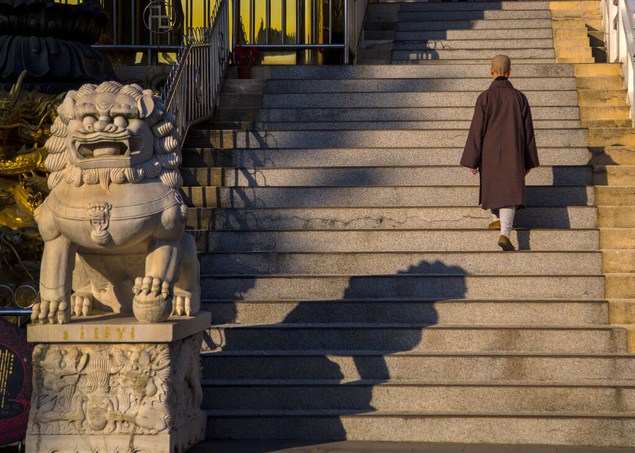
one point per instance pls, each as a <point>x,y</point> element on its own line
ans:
<point>182,303</point>
<point>186,302</point>
<point>152,301</point>
<point>151,286</point>
<point>81,303</point>
<point>51,311</point>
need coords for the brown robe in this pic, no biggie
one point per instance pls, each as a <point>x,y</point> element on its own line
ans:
<point>501,144</point>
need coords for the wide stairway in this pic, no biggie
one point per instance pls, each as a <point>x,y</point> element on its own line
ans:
<point>355,290</point>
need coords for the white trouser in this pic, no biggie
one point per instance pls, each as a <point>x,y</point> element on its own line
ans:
<point>506,217</point>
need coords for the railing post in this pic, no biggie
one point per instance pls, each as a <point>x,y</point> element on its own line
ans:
<point>347,31</point>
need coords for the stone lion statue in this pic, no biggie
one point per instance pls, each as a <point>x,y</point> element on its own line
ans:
<point>113,224</point>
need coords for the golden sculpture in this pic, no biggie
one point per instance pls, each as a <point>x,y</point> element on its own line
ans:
<point>25,121</point>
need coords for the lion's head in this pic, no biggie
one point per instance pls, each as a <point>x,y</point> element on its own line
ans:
<point>113,133</point>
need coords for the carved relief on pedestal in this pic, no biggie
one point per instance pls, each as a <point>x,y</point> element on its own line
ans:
<point>129,389</point>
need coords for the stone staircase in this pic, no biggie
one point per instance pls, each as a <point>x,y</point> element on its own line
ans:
<point>355,290</point>
<point>605,112</point>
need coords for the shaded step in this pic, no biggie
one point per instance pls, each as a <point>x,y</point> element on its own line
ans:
<point>612,155</point>
<point>366,263</point>
<point>469,54</point>
<point>413,85</point>
<point>543,116</point>
<point>373,176</point>
<point>416,396</point>
<point>363,139</point>
<point>461,44</point>
<point>449,15</point>
<point>560,313</point>
<point>461,427</point>
<point>421,338</point>
<point>370,157</point>
<point>614,175</point>
<point>392,218</point>
<point>423,5</point>
<point>399,240</point>
<point>499,35</point>
<point>406,365</point>
<point>479,24</point>
<point>406,285</point>
<point>324,197</point>
<point>402,125</point>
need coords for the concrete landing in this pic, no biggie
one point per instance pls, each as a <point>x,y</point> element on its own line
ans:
<point>388,447</point>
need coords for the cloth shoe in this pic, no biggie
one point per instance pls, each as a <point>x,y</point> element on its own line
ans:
<point>505,243</point>
<point>495,225</point>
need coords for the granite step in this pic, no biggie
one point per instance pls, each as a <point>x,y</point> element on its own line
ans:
<point>474,35</point>
<point>477,24</point>
<point>359,197</point>
<point>405,43</point>
<point>576,217</point>
<point>512,428</point>
<point>401,125</point>
<point>416,396</point>
<point>539,53</point>
<point>421,338</point>
<point>363,139</point>
<point>544,117</point>
<point>415,99</point>
<point>374,176</point>
<point>330,86</point>
<point>482,61</point>
<point>423,5</point>
<point>444,70</point>
<point>439,285</point>
<point>449,15</point>
<point>397,365</point>
<point>473,312</point>
<point>369,157</point>
<point>384,263</point>
<point>399,240</point>
<point>330,197</point>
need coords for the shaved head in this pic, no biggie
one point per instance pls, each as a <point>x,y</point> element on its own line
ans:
<point>501,65</point>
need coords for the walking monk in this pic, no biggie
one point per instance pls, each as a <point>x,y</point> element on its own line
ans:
<point>501,147</point>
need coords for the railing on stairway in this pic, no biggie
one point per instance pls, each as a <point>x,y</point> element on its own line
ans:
<point>329,25</point>
<point>617,20</point>
<point>193,85</point>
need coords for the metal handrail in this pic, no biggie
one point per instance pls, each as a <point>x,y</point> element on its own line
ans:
<point>193,84</point>
<point>617,21</point>
<point>323,37</point>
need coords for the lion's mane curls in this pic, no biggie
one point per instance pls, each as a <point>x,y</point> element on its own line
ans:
<point>163,165</point>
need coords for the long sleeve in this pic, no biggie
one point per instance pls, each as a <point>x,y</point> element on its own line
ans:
<point>531,151</point>
<point>474,145</point>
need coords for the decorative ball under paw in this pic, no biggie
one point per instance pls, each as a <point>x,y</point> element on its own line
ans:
<point>150,309</point>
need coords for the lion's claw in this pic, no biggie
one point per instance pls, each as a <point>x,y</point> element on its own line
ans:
<point>53,312</point>
<point>81,304</point>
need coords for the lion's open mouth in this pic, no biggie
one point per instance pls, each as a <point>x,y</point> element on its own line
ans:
<point>107,150</point>
<point>96,146</point>
<point>89,150</point>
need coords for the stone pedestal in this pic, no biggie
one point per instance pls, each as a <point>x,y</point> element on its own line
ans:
<point>109,384</point>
